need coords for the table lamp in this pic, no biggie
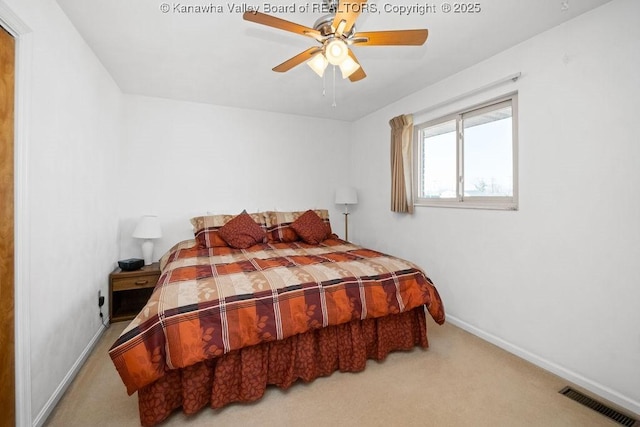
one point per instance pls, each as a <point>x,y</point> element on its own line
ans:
<point>148,228</point>
<point>346,196</point>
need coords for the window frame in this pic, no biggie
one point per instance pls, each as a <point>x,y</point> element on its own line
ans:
<point>461,201</point>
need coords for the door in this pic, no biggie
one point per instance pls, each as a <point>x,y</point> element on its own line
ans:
<point>7,346</point>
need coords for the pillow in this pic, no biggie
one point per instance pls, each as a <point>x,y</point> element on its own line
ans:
<point>206,228</point>
<point>283,233</point>
<point>279,224</point>
<point>310,227</point>
<point>242,231</point>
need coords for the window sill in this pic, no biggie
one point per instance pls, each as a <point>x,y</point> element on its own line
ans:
<point>487,205</point>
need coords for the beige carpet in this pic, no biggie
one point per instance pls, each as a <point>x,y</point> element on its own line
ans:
<point>460,380</point>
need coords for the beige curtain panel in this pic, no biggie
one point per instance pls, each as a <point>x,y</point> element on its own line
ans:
<point>401,163</point>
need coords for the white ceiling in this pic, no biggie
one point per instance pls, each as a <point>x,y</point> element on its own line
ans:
<point>218,58</point>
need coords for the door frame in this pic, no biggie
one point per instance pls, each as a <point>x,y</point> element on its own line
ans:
<point>23,36</point>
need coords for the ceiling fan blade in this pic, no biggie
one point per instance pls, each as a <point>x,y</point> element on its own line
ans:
<point>281,24</point>
<point>297,60</point>
<point>348,11</point>
<point>359,74</point>
<point>391,38</point>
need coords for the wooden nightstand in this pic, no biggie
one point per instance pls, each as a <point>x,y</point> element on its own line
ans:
<point>130,290</point>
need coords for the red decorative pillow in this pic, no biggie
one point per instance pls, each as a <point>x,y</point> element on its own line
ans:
<point>310,227</point>
<point>242,231</point>
<point>279,224</point>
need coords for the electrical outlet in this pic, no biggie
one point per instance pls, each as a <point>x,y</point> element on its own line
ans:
<point>100,299</point>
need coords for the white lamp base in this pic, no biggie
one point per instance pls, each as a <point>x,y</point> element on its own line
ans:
<point>147,251</point>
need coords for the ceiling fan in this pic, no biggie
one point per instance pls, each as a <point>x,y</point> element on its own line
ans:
<point>336,33</point>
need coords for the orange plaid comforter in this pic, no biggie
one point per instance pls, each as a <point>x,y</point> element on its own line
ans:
<point>211,301</point>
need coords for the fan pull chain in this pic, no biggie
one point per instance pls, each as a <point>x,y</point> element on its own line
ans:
<point>324,81</point>
<point>334,87</point>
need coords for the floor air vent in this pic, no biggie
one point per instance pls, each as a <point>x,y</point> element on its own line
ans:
<point>597,406</point>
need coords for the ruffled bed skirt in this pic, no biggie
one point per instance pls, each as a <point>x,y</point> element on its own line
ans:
<point>243,375</point>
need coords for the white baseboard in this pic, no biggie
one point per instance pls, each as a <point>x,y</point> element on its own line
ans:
<point>577,379</point>
<point>57,394</point>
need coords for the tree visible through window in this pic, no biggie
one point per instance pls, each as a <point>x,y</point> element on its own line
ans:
<point>468,159</point>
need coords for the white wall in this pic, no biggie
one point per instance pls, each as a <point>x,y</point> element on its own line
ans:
<point>73,132</point>
<point>556,281</point>
<point>183,159</point>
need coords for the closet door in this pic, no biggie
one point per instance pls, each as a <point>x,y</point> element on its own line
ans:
<point>7,339</point>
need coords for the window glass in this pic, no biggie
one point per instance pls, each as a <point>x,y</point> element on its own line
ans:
<point>469,159</point>
<point>439,161</point>
<point>488,154</point>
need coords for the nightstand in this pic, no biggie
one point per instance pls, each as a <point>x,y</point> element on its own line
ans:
<point>129,291</point>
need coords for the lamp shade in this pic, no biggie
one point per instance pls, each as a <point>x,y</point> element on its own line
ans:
<point>336,51</point>
<point>348,67</point>
<point>148,228</point>
<point>318,64</point>
<point>346,196</point>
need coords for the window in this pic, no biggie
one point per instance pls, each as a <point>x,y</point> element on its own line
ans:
<point>469,159</point>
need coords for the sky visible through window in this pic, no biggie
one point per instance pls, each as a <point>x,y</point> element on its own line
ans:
<point>440,162</point>
<point>488,155</point>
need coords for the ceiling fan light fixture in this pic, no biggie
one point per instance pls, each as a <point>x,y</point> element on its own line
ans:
<point>348,67</point>
<point>318,64</point>
<point>336,51</point>
<point>336,32</point>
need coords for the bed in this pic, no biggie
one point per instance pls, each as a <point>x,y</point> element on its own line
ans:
<point>247,304</point>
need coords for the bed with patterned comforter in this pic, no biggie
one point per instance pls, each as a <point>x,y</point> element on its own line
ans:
<point>211,304</point>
